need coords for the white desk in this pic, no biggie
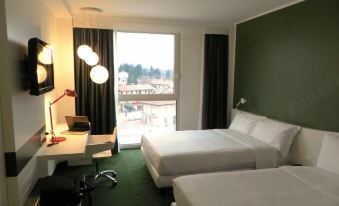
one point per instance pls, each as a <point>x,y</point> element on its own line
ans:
<point>72,148</point>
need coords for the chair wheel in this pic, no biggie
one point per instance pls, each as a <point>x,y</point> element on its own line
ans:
<point>111,173</point>
<point>114,174</point>
<point>114,183</point>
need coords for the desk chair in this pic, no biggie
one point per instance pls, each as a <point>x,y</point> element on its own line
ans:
<point>100,146</point>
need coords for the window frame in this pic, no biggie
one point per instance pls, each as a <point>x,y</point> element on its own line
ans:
<point>154,97</point>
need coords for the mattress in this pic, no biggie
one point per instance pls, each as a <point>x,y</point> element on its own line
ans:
<point>199,151</point>
<point>284,186</point>
<point>166,181</point>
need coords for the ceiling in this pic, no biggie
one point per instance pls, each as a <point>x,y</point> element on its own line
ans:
<point>217,12</point>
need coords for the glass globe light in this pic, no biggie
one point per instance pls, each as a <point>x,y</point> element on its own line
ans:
<point>41,74</point>
<point>92,59</point>
<point>45,56</point>
<point>83,51</point>
<point>99,74</point>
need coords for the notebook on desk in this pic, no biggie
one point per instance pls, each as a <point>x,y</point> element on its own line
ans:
<point>77,124</point>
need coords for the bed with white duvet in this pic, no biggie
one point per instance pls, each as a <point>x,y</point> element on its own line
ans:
<point>173,154</point>
<point>284,186</point>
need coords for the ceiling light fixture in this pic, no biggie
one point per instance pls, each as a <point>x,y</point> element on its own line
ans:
<point>99,74</point>
<point>84,51</point>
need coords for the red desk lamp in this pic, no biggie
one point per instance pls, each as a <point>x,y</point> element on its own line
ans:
<point>67,92</point>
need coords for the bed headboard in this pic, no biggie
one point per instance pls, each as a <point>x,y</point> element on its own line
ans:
<point>306,145</point>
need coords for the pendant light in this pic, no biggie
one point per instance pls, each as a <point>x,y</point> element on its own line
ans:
<point>83,51</point>
<point>92,58</point>
<point>98,74</point>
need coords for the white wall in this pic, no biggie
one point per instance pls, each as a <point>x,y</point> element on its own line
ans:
<point>35,20</point>
<point>22,114</point>
<point>64,62</point>
<point>3,185</point>
<point>4,103</point>
<point>5,84</point>
<point>23,23</point>
<point>231,68</point>
<point>191,55</point>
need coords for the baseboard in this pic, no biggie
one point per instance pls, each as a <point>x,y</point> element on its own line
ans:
<point>130,146</point>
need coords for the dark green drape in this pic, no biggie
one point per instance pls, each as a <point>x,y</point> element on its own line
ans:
<point>214,114</point>
<point>95,100</point>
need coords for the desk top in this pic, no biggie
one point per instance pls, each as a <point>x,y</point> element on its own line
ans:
<point>72,148</point>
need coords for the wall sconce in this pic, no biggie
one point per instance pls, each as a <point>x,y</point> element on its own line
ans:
<point>242,101</point>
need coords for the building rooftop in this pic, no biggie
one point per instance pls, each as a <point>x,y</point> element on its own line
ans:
<point>161,82</point>
<point>135,87</point>
<point>156,103</point>
<point>123,75</point>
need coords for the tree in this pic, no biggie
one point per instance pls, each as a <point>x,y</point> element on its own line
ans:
<point>157,73</point>
<point>151,72</point>
<point>168,74</point>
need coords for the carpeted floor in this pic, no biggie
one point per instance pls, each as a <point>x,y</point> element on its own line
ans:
<point>135,186</point>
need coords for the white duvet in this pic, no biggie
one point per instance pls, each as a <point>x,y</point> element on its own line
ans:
<point>284,186</point>
<point>184,152</point>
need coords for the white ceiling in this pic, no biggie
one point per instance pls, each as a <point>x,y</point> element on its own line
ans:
<point>218,12</point>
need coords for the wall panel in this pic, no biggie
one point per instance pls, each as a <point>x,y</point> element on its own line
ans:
<point>287,64</point>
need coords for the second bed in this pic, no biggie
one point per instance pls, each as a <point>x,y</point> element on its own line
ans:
<point>174,154</point>
<point>251,142</point>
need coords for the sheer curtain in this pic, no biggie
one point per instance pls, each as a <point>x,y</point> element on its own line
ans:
<point>97,101</point>
<point>214,114</point>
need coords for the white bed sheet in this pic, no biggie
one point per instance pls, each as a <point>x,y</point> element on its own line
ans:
<point>195,151</point>
<point>284,186</point>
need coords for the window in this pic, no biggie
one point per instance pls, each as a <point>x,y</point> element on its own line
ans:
<point>147,84</point>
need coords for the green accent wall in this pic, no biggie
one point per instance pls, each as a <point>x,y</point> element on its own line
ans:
<point>287,64</point>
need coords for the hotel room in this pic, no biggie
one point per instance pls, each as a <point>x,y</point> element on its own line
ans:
<point>191,103</point>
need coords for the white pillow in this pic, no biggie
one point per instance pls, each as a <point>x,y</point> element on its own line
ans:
<point>244,122</point>
<point>278,134</point>
<point>329,154</point>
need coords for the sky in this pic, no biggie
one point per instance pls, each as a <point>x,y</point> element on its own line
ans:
<point>155,50</point>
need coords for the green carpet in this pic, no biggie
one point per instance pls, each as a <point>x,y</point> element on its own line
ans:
<point>135,185</point>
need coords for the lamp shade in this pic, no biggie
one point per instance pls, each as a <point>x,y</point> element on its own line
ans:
<point>92,59</point>
<point>243,100</point>
<point>99,74</point>
<point>83,51</point>
<point>70,93</point>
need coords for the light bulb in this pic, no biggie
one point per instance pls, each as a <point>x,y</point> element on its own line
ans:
<point>45,56</point>
<point>99,74</point>
<point>41,73</point>
<point>92,59</point>
<point>83,51</point>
